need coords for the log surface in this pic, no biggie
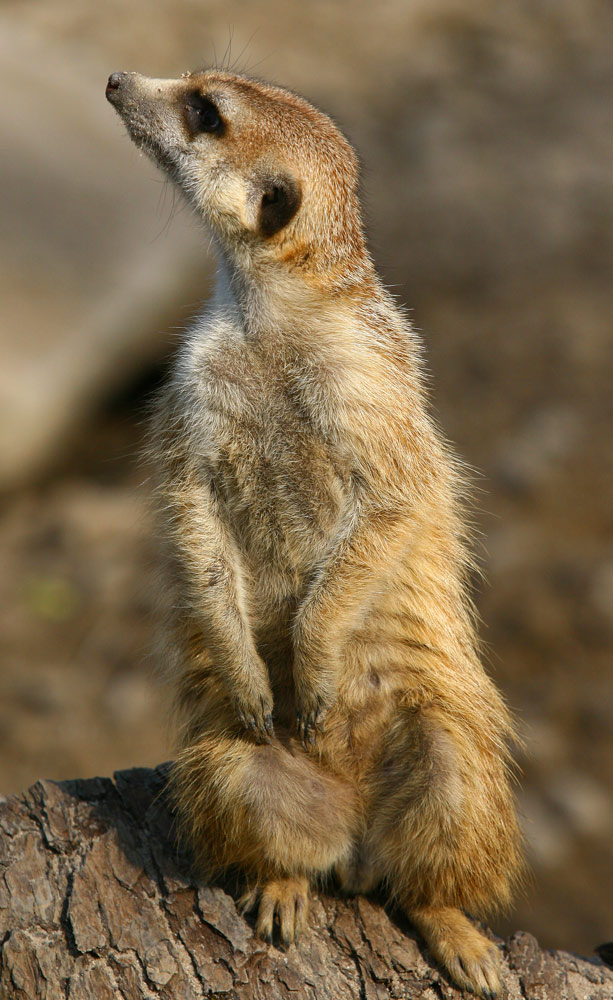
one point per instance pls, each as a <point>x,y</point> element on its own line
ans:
<point>97,901</point>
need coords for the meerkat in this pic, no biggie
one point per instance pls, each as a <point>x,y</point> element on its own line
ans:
<point>335,714</point>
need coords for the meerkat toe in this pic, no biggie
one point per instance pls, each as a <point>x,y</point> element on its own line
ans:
<point>302,911</point>
<point>287,918</point>
<point>476,967</point>
<point>479,974</point>
<point>302,727</point>
<point>490,970</point>
<point>266,915</point>
<point>248,901</point>
<point>293,909</point>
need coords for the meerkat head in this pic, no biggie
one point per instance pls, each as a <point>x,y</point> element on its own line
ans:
<point>270,175</point>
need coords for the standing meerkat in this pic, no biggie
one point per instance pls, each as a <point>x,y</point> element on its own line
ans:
<point>336,716</point>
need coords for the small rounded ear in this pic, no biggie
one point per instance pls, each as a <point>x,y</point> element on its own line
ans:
<point>281,197</point>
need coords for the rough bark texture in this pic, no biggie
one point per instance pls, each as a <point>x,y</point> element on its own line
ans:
<point>97,901</point>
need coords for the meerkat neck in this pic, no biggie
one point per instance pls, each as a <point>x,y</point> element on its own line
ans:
<point>270,296</point>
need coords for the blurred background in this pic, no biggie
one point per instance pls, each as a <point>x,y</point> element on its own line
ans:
<point>485,130</point>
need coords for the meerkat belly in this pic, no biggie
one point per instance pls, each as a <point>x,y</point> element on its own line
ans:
<point>283,497</point>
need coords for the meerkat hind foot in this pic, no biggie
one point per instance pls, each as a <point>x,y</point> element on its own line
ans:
<point>284,900</point>
<point>471,959</point>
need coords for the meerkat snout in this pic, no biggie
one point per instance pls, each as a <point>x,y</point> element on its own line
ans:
<point>114,83</point>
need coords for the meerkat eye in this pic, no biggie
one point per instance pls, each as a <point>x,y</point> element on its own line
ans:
<point>202,116</point>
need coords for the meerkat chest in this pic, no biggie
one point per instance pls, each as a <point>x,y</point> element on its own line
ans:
<point>283,481</point>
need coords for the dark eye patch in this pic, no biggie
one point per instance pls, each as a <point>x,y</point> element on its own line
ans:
<point>201,115</point>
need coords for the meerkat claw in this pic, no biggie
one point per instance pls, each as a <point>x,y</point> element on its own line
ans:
<point>255,717</point>
<point>247,901</point>
<point>310,725</point>
<point>262,731</point>
<point>306,729</point>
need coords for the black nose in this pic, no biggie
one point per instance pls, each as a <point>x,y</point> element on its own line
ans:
<point>114,83</point>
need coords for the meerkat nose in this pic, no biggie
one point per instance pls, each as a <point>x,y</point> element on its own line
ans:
<point>114,83</point>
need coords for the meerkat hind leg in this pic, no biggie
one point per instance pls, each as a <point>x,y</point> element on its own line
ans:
<point>471,959</point>
<point>285,900</point>
<point>433,838</point>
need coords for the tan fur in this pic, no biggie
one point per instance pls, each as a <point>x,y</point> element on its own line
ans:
<point>317,551</point>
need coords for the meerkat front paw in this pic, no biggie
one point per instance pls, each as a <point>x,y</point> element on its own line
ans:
<point>311,710</point>
<point>254,712</point>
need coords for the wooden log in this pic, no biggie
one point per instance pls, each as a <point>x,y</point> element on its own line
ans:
<point>98,902</point>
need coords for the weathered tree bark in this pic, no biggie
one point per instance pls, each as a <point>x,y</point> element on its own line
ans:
<point>97,902</point>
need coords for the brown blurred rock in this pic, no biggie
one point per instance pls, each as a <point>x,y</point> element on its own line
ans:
<point>92,274</point>
<point>98,901</point>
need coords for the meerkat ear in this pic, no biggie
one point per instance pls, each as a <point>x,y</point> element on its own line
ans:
<point>280,200</point>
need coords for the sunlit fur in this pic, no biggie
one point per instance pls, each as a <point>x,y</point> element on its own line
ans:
<point>316,553</point>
